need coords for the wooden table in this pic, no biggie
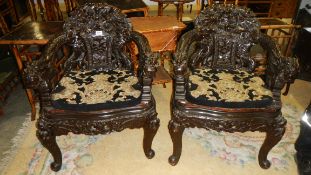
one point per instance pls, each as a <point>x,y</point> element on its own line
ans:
<point>162,33</point>
<point>33,33</point>
<point>178,3</point>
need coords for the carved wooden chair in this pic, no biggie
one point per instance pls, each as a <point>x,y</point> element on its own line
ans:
<point>86,83</point>
<point>214,87</point>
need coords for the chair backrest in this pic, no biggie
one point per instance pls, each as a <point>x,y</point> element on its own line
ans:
<point>225,35</point>
<point>99,35</point>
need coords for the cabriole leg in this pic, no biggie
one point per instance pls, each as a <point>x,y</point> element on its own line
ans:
<point>176,132</point>
<point>150,129</point>
<point>48,140</point>
<point>274,134</point>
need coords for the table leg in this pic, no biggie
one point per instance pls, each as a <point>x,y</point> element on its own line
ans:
<point>180,10</point>
<point>160,8</point>
<point>28,91</point>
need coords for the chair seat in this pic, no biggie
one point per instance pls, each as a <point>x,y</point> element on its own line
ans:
<point>97,90</point>
<point>228,89</point>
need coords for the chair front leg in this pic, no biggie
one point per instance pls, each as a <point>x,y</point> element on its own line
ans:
<point>48,140</point>
<point>273,136</point>
<point>176,131</point>
<point>150,129</point>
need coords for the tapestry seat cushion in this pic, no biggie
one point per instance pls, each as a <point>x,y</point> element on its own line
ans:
<point>97,90</point>
<point>227,88</point>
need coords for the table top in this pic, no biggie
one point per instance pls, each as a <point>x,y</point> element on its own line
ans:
<point>33,33</point>
<point>156,23</point>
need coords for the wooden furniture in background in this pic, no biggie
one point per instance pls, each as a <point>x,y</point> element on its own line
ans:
<point>7,15</point>
<point>262,8</point>
<point>70,6</point>
<point>132,8</point>
<point>214,87</point>
<point>259,7</point>
<point>283,33</point>
<point>21,8</point>
<point>33,33</point>
<point>162,4</point>
<point>283,8</point>
<point>110,76</point>
<point>49,10</point>
<point>162,33</point>
<point>3,25</point>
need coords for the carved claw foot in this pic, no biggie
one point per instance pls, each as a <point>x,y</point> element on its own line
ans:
<point>176,131</point>
<point>150,129</point>
<point>274,135</point>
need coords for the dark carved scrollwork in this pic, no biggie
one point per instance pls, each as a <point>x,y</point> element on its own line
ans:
<point>97,126</point>
<point>94,38</point>
<point>196,120</point>
<point>47,137</point>
<point>102,28</point>
<point>222,39</point>
<point>280,69</point>
<point>227,33</point>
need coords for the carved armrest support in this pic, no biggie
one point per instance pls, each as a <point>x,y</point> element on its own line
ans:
<point>280,70</point>
<point>147,78</point>
<point>180,62</point>
<point>181,73</point>
<point>147,64</point>
<point>37,75</point>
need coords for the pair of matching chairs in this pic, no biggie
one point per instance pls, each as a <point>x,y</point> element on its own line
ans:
<point>86,81</point>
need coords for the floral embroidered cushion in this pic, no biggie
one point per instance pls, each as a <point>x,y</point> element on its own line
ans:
<point>96,90</point>
<point>227,88</point>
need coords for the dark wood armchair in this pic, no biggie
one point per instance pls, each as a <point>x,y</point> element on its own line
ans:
<point>214,84</point>
<point>86,83</point>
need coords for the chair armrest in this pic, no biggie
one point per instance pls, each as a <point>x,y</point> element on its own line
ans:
<point>147,64</point>
<point>181,67</point>
<point>280,70</point>
<point>37,74</point>
<point>41,75</point>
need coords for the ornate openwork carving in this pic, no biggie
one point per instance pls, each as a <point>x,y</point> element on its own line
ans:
<point>226,35</point>
<point>222,39</point>
<point>94,38</point>
<point>103,30</point>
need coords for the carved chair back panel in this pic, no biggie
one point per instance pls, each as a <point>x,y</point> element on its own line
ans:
<point>98,34</point>
<point>224,36</point>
